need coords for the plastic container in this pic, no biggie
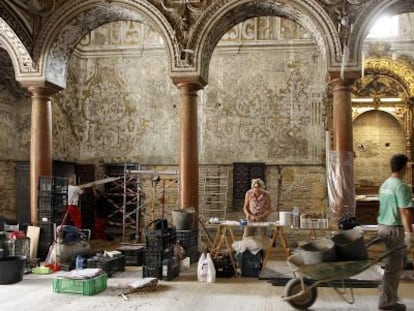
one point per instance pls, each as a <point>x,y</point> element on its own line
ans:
<point>285,218</point>
<point>321,250</point>
<point>79,262</point>
<point>183,220</point>
<point>295,217</point>
<point>350,245</point>
<point>86,287</point>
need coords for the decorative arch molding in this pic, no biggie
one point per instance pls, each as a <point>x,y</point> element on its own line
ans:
<point>397,69</point>
<point>21,59</point>
<point>367,18</point>
<point>220,16</point>
<point>76,18</point>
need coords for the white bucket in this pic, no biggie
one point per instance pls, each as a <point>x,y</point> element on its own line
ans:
<point>285,218</point>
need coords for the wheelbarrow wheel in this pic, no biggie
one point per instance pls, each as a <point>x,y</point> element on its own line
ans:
<point>304,301</point>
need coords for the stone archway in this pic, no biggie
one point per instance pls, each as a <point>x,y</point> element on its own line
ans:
<point>75,19</point>
<point>214,23</point>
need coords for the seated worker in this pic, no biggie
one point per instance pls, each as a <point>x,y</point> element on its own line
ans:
<point>257,207</point>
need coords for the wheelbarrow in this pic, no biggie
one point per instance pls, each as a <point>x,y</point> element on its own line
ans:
<point>301,291</point>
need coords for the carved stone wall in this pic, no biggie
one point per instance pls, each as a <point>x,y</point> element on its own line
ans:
<point>14,134</point>
<point>123,108</point>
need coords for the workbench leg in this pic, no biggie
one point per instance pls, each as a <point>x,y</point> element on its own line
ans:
<point>278,232</point>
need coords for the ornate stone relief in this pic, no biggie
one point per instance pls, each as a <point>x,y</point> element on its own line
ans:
<point>14,114</point>
<point>264,113</point>
<point>344,14</point>
<point>7,82</point>
<point>15,47</point>
<point>16,14</point>
<point>72,33</point>
<point>227,14</point>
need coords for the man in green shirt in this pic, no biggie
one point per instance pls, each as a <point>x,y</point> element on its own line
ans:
<point>395,220</point>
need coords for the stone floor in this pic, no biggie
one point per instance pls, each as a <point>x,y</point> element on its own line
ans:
<point>184,293</point>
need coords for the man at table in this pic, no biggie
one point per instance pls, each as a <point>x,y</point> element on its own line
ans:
<point>256,207</point>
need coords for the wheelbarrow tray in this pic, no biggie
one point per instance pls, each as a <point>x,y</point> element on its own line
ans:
<point>334,270</point>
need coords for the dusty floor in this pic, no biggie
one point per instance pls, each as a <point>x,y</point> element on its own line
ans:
<point>184,293</point>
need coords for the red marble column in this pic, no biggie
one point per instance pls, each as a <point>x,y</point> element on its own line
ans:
<point>40,144</point>
<point>188,162</point>
<point>341,170</point>
<point>408,139</point>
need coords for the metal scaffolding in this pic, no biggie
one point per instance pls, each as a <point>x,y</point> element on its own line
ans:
<point>156,177</point>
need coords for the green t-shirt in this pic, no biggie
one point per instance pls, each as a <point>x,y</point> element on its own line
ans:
<point>393,195</point>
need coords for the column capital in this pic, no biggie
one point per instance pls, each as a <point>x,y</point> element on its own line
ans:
<point>41,89</point>
<point>190,83</point>
<point>349,77</point>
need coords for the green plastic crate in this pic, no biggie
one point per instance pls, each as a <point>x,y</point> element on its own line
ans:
<point>86,287</point>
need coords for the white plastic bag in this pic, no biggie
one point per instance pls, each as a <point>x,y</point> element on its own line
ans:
<point>211,270</point>
<point>202,268</point>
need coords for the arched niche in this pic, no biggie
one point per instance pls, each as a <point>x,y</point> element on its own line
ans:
<point>377,136</point>
<point>382,126</point>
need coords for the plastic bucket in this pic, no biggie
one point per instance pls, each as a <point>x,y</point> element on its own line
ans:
<point>285,218</point>
<point>350,245</point>
<point>322,250</point>
<point>183,220</point>
<point>12,269</point>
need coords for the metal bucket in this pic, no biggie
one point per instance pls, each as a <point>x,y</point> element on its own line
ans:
<point>321,250</point>
<point>350,245</point>
<point>183,220</point>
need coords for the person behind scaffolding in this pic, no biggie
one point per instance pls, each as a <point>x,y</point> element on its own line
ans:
<point>74,212</point>
<point>101,214</point>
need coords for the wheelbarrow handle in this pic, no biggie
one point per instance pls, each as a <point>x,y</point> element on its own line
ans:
<point>386,254</point>
<point>372,242</point>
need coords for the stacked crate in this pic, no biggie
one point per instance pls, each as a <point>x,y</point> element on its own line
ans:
<point>189,240</point>
<point>134,254</point>
<point>159,246</point>
<point>19,247</point>
<point>108,264</point>
<point>52,202</point>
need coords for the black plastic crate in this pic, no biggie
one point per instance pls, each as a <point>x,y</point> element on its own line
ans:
<point>192,252</point>
<point>167,236</point>
<point>110,265</point>
<point>51,208</point>
<point>153,270</point>
<point>187,238</point>
<point>153,257</point>
<point>170,269</point>
<point>134,254</point>
<point>223,265</point>
<point>250,264</point>
<point>60,185</point>
<point>46,184</point>
<point>52,184</point>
